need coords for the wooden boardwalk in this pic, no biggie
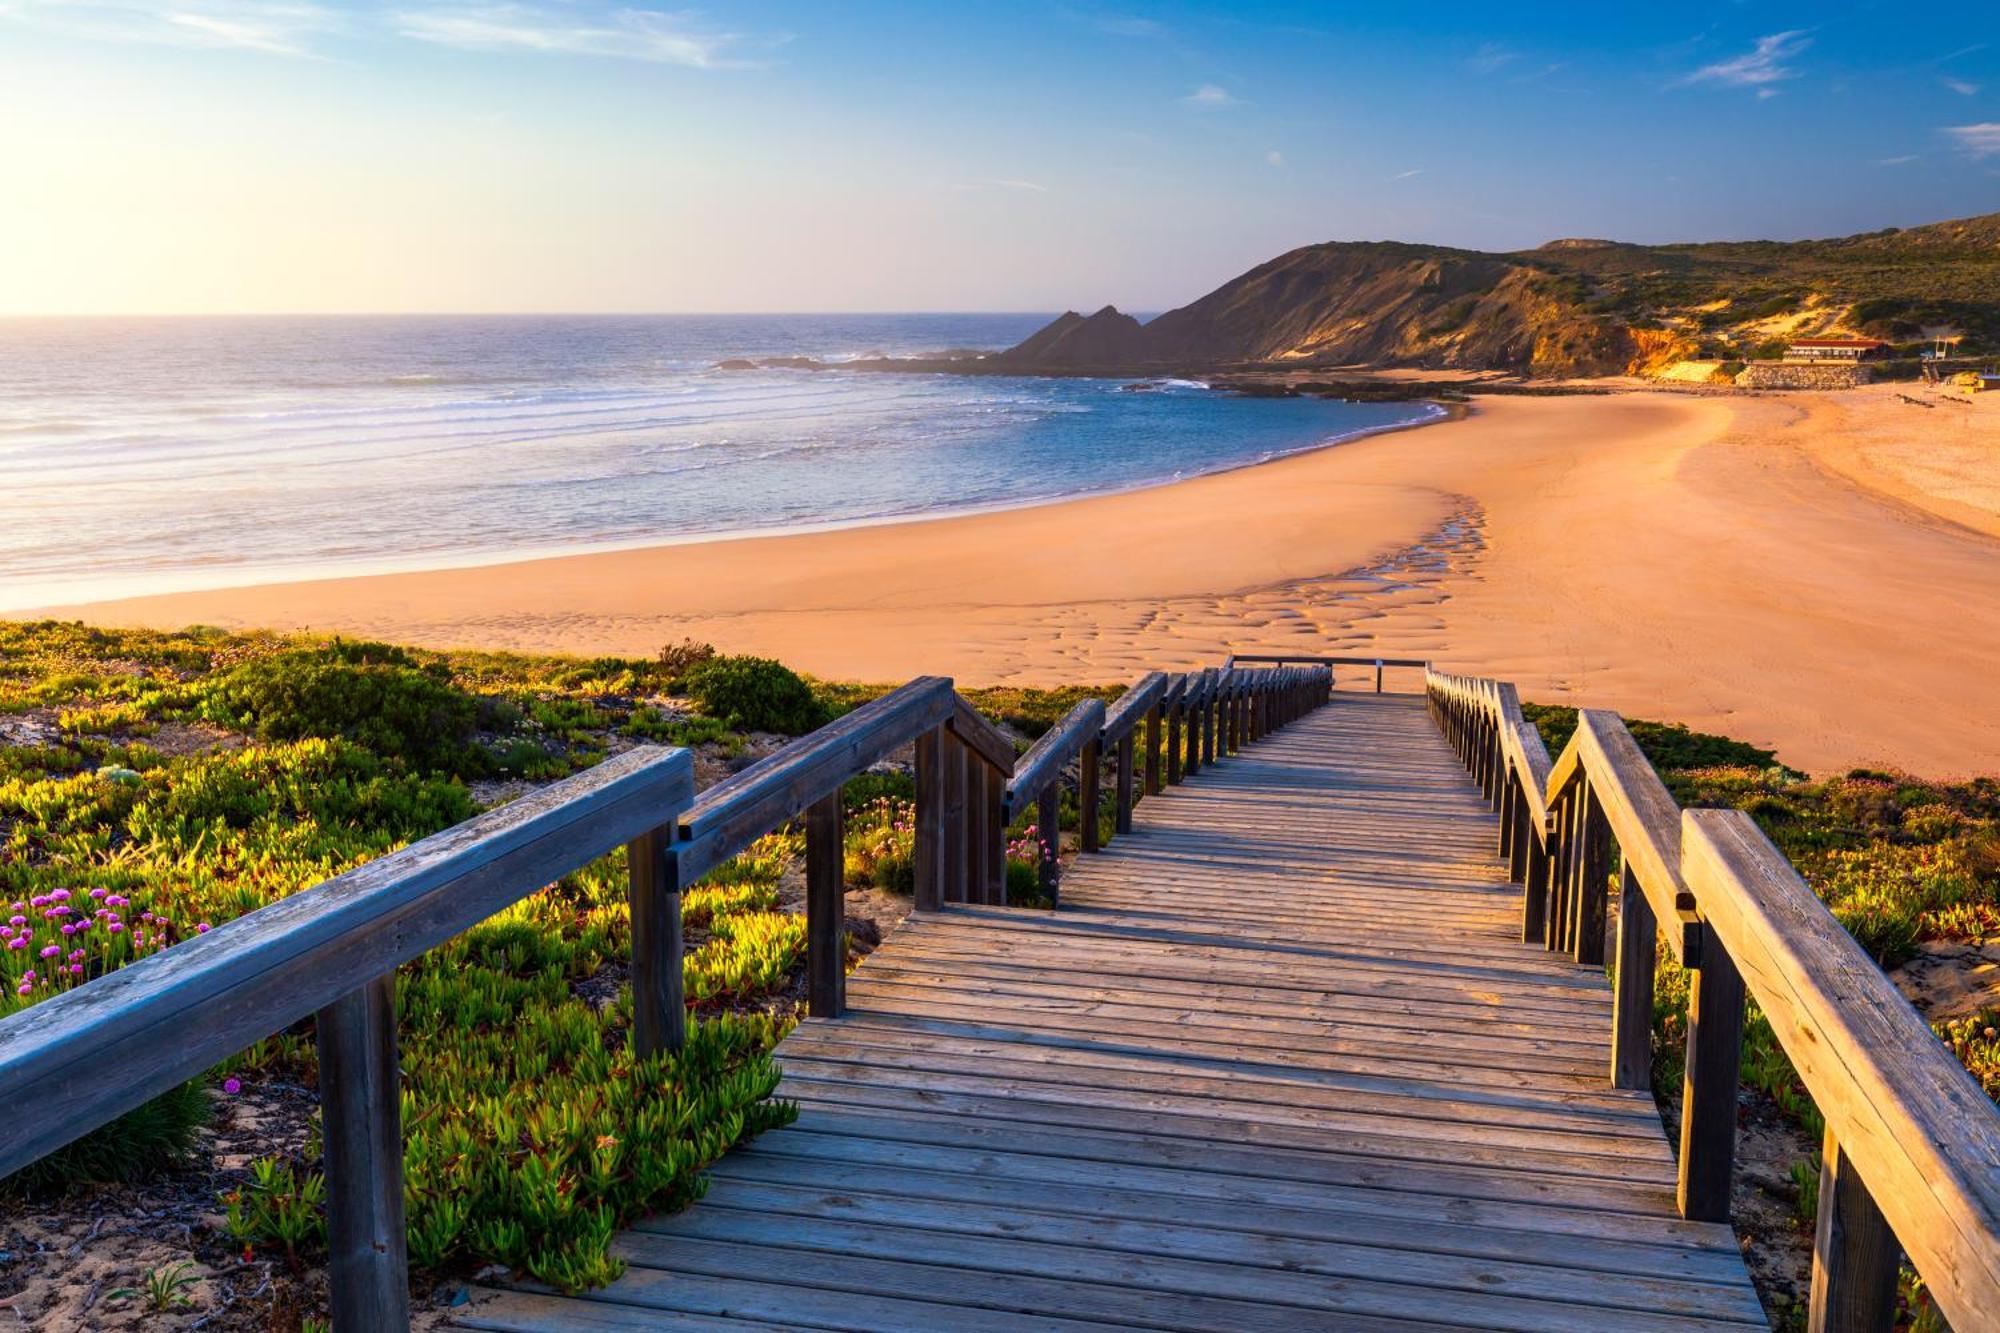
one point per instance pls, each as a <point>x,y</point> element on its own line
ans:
<point>1280,1062</point>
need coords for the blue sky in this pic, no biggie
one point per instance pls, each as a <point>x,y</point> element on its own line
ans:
<point>192,155</point>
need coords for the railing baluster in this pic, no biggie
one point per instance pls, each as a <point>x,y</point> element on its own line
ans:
<point>826,908</point>
<point>1153,750</point>
<point>1089,774</point>
<point>1632,1001</point>
<point>1048,818</point>
<point>361,1114</point>
<point>1857,1263</point>
<point>653,888</point>
<point>955,760</point>
<point>1174,750</point>
<point>1593,877</point>
<point>993,842</point>
<point>1122,820</point>
<point>929,839</point>
<point>1708,1093</point>
<point>1535,884</point>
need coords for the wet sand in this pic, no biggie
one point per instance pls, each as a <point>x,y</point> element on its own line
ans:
<point>1812,572</point>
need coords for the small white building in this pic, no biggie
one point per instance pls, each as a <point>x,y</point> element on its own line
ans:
<point>1837,350</point>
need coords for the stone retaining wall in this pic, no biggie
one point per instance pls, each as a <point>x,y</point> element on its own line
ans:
<point>1801,375</point>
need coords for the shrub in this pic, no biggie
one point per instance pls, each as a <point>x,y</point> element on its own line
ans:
<point>370,694</point>
<point>676,660</point>
<point>882,845</point>
<point>754,694</point>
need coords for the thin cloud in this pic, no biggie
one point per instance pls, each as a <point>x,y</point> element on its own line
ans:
<point>268,27</point>
<point>651,35</point>
<point>1210,96</point>
<point>1982,140</point>
<point>1275,158</point>
<point>1961,87</point>
<point>1895,161</point>
<point>1127,25</point>
<point>1490,58</point>
<point>1411,174</point>
<point>1763,64</point>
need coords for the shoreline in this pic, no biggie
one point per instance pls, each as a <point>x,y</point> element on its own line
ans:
<point>359,569</point>
<point>1675,557</point>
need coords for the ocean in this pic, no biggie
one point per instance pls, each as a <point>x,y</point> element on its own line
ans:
<point>155,455</point>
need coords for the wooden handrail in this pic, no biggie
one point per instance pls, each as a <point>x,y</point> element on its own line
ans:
<point>1922,1135</point>
<point>1131,707</point>
<point>1912,1155</point>
<point>1045,759</point>
<point>77,1060</point>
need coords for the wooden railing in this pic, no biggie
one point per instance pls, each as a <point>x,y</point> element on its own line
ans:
<point>1911,1162</point>
<point>1286,659</point>
<point>78,1060</point>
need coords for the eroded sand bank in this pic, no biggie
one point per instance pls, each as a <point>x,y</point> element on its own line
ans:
<point>1815,573</point>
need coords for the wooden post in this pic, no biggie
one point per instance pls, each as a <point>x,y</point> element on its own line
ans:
<point>1856,1261</point>
<point>954,830</point>
<point>1593,876</point>
<point>1378,675</point>
<point>1510,793</point>
<point>1632,1001</point>
<point>994,843</point>
<point>1175,752</point>
<point>1521,839</point>
<point>1089,772</point>
<point>1535,885</point>
<point>930,872</point>
<point>1191,764</point>
<point>361,1112</point>
<point>653,887</point>
<point>1048,820</point>
<point>1153,750</point>
<point>1208,707</point>
<point>826,908</point>
<point>1558,874</point>
<point>1708,1096</point>
<point>1122,822</point>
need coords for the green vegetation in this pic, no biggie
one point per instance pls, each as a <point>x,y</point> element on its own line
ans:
<point>154,785</point>
<point>756,694</point>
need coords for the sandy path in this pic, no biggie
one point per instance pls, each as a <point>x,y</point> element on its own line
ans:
<point>1763,566</point>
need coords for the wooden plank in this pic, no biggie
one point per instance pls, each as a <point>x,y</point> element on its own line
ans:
<point>164,1019</point>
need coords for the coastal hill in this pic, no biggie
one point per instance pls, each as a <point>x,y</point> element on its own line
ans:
<point>1570,307</point>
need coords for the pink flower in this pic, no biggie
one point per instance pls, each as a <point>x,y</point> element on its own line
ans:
<point>20,942</point>
<point>23,989</point>
<point>201,928</point>
<point>115,927</point>
<point>52,951</point>
<point>76,969</point>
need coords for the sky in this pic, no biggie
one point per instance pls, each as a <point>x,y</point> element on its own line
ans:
<point>196,156</point>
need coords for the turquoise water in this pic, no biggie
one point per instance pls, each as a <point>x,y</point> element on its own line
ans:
<point>161,454</point>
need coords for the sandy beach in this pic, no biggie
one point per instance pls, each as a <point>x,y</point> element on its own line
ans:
<point>1811,572</point>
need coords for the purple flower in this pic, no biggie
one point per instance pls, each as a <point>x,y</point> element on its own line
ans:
<point>76,969</point>
<point>20,942</point>
<point>40,900</point>
<point>232,1086</point>
<point>69,928</point>
<point>97,893</point>
<point>17,920</point>
<point>60,895</point>
<point>52,951</point>
<point>201,928</point>
<point>23,989</point>
<point>115,927</point>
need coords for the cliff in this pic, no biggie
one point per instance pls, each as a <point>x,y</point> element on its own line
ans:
<point>1571,307</point>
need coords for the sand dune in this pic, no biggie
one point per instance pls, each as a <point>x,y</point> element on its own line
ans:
<point>1814,573</point>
